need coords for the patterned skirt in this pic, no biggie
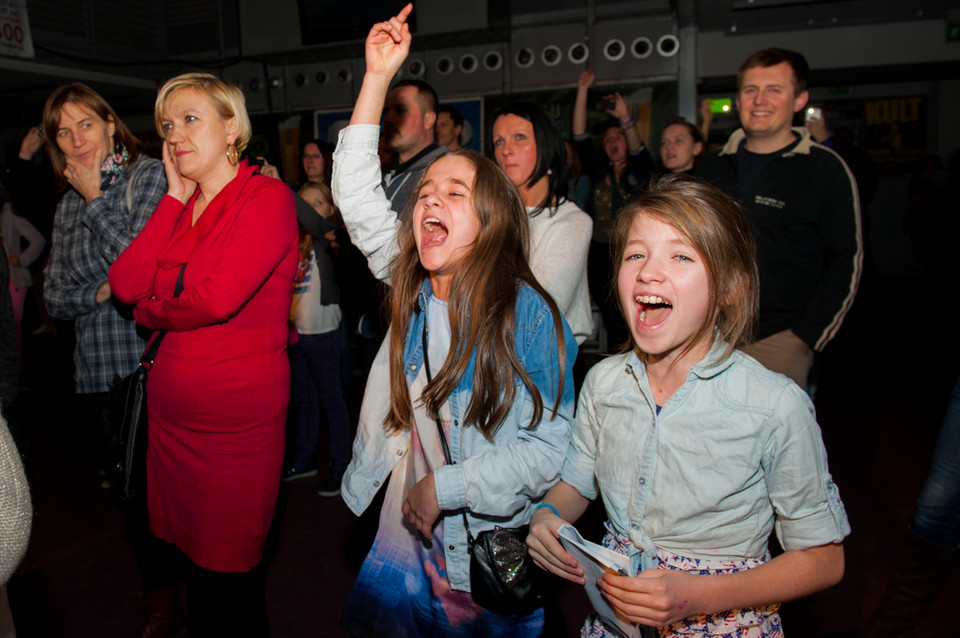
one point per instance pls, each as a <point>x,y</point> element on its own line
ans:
<point>753,622</point>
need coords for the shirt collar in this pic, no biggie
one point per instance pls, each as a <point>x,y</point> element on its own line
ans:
<point>794,148</point>
<point>426,291</point>
<point>710,366</point>
<point>394,165</point>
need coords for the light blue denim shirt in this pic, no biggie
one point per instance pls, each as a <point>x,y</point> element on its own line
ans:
<point>734,453</point>
<point>498,482</point>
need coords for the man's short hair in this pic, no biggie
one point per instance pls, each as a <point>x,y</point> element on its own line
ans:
<point>773,57</point>
<point>453,113</point>
<point>426,96</point>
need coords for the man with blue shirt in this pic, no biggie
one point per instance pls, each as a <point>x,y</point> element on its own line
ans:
<point>801,200</point>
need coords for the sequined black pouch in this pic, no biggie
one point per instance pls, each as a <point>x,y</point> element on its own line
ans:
<point>503,577</point>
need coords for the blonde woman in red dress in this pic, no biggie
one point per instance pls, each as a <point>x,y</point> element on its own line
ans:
<point>219,387</point>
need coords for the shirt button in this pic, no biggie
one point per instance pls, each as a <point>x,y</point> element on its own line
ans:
<point>635,526</point>
<point>413,367</point>
<point>399,452</point>
<point>451,548</point>
<point>376,483</point>
<point>456,422</point>
<point>642,480</point>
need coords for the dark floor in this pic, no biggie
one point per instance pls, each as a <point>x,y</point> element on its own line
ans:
<point>882,390</point>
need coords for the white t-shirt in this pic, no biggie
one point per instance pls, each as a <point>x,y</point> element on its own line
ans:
<point>306,311</point>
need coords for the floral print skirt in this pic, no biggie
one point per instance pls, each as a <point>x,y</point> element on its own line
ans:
<point>754,622</point>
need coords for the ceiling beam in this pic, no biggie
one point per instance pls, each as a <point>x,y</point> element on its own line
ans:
<point>73,73</point>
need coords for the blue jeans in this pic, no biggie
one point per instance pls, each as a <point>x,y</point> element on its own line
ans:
<point>937,517</point>
<point>315,379</point>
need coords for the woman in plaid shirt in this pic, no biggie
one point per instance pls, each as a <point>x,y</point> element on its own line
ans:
<point>112,188</point>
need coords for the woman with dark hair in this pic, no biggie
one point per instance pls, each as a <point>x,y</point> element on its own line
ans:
<point>317,162</point>
<point>479,361</point>
<point>529,148</point>
<point>681,146</point>
<point>214,268</point>
<point>111,191</point>
<point>532,155</point>
<point>625,166</point>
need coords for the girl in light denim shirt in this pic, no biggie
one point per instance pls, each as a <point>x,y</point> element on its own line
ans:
<point>466,307</point>
<point>697,451</point>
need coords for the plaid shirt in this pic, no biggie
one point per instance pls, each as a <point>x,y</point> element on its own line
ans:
<point>87,238</point>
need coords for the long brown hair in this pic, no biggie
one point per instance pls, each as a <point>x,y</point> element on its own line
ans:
<point>716,226</point>
<point>82,95</point>
<point>481,309</point>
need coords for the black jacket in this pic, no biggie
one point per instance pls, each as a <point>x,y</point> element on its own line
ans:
<point>805,214</point>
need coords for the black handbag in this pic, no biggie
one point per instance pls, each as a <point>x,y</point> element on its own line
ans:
<point>132,440</point>
<point>130,398</point>
<point>503,578</point>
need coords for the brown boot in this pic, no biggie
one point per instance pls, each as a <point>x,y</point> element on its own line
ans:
<point>163,613</point>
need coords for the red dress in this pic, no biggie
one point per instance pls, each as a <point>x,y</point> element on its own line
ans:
<point>219,387</point>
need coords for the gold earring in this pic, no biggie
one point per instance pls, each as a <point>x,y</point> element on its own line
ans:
<point>232,155</point>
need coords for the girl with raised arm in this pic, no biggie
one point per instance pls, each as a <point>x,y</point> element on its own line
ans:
<point>477,351</point>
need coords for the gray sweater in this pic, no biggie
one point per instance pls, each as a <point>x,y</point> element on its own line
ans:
<point>16,512</point>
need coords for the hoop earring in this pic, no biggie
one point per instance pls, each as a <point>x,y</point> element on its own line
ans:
<point>232,155</point>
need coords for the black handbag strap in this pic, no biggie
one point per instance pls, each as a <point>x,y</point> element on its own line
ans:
<point>443,437</point>
<point>146,359</point>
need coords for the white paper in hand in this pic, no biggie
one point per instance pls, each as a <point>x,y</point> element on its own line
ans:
<point>595,560</point>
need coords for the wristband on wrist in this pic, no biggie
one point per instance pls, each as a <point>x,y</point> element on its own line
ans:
<point>552,508</point>
<point>626,123</point>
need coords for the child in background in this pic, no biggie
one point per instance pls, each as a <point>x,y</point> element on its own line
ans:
<point>697,450</point>
<point>14,229</point>
<point>315,358</point>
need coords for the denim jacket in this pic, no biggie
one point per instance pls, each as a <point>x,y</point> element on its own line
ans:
<point>734,453</point>
<point>498,482</point>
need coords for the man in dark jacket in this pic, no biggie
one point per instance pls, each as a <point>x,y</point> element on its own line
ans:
<point>802,203</point>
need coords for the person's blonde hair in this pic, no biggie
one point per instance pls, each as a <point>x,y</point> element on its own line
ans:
<point>719,231</point>
<point>306,239</point>
<point>325,191</point>
<point>227,100</point>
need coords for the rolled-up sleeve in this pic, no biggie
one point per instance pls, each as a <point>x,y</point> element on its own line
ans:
<point>802,492</point>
